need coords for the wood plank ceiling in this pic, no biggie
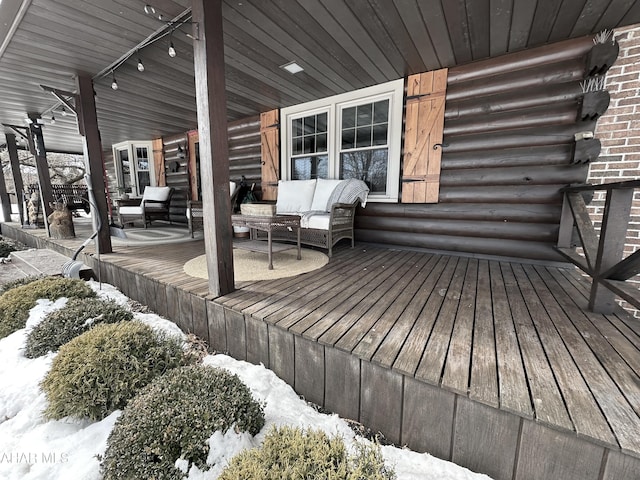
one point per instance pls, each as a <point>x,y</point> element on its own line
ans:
<point>342,45</point>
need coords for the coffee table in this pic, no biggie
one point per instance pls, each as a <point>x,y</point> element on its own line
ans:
<point>267,224</point>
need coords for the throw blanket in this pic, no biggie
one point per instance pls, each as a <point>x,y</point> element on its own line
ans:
<point>348,191</point>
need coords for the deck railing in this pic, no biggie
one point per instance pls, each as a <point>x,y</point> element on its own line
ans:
<point>603,255</point>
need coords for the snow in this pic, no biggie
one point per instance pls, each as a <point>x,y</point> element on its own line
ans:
<point>32,448</point>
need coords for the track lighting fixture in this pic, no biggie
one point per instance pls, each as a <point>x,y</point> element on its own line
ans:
<point>140,65</point>
<point>149,10</point>
<point>114,83</point>
<point>53,119</point>
<point>64,112</point>
<point>172,50</point>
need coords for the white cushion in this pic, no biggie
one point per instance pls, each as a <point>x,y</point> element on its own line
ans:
<point>324,188</point>
<point>159,194</point>
<point>295,196</point>
<point>319,221</point>
<point>130,210</point>
<point>232,188</point>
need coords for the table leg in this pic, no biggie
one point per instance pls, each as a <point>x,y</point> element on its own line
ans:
<point>269,245</point>
<point>299,253</point>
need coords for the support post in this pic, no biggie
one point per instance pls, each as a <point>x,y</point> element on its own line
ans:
<point>615,220</point>
<point>208,53</point>
<point>38,150</point>
<point>92,146</point>
<point>18,185</point>
<point>5,201</point>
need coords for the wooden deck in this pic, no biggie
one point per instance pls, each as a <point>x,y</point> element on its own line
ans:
<point>495,365</point>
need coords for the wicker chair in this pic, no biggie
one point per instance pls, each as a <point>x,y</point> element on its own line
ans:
<point>154,204</point>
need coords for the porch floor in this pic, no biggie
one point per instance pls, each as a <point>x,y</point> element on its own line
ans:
<point>515,337</point>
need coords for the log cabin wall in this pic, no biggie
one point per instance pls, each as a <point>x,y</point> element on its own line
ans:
<point>176,169</point>
<point>244,160</point>
<point>508,148</point>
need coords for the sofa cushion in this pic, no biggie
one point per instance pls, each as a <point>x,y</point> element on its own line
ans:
<point>324,188</point>
<point>159,194</point>
<point>316,220</point>
<point>130,210</point>
<point>295,196</point>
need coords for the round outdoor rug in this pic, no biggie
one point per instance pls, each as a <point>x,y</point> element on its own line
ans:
<point>250,266</point>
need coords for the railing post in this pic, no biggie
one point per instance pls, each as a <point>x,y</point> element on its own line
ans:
<point>615,220</point>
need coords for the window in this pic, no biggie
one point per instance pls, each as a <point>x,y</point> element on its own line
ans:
<point>353,135</point>
<point>134,167</point>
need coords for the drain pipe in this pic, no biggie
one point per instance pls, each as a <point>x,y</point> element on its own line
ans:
<point>71,269</point>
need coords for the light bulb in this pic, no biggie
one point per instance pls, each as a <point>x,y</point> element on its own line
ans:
<point>140,66</point>
<point>64,112</point>
<point>53,120</point>
<point>172,50</point>
<point>149,10</point>
<point>114,84</point>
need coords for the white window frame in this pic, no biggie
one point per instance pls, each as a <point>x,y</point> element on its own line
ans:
<point>130,147</point>
<point>393,91</point>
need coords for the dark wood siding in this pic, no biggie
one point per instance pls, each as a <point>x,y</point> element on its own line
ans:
<point>508,149</point>
<point>244,160</point>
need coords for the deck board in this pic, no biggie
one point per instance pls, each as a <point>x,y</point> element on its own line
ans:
<point>483,385</point>
<point>512,381</point>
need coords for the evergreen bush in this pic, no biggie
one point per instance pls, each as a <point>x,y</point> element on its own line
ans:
<point>173,417</point>
<point>102,369</point>
<point>6,248</point>
<point>290,453</point>
<point>18,283</point>
<point>16,303</point>
<point>75,318</point>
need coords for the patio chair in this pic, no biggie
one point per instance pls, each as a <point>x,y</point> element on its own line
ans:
<point>195,215</point>
<point>154,204</point>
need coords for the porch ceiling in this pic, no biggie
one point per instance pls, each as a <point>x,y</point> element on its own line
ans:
<point>342,45</point>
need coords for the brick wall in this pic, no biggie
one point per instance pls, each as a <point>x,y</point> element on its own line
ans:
<point>619,132</point>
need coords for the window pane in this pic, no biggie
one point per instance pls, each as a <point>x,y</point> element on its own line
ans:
<point>370,166</point>
<point>349,117</point>
<point>363,137</point>
<point>381,111</point>
<point>310,125</point>
<point>296,127</point>
<point>309,144</point>
<point>348,138</point>
<point>143,164</point>
<point>380,134</point>
<point>321,142</point>
<point>143,180</point>
<point>364,114</point>
<point>307,168</point>
<point>297,146</point>
<point>321,122</point>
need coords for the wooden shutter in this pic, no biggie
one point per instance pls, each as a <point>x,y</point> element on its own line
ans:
<point>158,162</point>
<point>270,140</point>
<point>424,125</point>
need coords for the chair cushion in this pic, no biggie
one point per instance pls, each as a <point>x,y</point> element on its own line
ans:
<point>159,194</point>
<point>295,196</point>
<point>318,220</point>
<point>323,191</point>
<point>130,210</point>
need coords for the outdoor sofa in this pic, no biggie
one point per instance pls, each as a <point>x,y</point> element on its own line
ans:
<point>326,207</point>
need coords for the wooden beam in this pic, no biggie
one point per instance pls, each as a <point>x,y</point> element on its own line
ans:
<point>92,146</point>
<point>5,201</point>
<point>208,55</point>
<point>38,150</point>
<point>615,220</point>
<point>586,231</point>
<point>627,268</point>
<point>18,186</point>
<point>565,233</point>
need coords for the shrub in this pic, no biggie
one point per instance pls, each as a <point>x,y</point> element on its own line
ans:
<point>290,453</point>
<point>16,303</point>
<point>173,417</point>
<point>18,283</point>
<point>102,369</point>
<point>6,248</point>
<point>76,317</point>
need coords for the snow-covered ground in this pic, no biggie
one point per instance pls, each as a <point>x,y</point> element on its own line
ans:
<point>33,448</point>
